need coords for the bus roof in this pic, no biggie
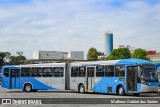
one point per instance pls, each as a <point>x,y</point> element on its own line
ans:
<point>37,65</point>
<point>131,61</point>
<point>157,64</point>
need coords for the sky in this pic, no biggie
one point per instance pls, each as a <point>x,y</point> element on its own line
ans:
<point>77,25</point>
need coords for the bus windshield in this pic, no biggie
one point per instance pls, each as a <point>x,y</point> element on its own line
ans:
<point>158,75</point>
<point>148,73</point>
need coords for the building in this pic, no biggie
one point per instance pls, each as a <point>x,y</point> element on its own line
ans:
<point>155,57</point>
<point>108,43</point>
<point>151,52</point>
<point>131,49</point>
<point>65,55</point>
<point>74,55</point>
<point>48,55</point>
<point>77,55</point>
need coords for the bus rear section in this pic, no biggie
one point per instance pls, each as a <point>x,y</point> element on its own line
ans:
<point>34,77</point>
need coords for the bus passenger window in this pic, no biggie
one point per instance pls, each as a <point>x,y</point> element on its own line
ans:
<point>15,72</point>
<point>58,72</point>
<point>36,72</point>
<point>6,72</point>
<point>120,71</point>
<point>47,72</point>
<point>25,72</point>
<point>82,71</point>
<point>74,72</point>
<point>109,71</point>
<point>100,71</point>
<point>39,72</point>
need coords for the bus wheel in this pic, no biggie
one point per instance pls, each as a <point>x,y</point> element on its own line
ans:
<point>121,91</point>
<point>81,88</point>
<point>28,88</point>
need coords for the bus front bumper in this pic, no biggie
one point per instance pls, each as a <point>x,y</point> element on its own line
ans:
<point>146,88</point>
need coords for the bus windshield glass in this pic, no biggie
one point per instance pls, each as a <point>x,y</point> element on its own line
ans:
<point>158,75</point>
<point>148,73</point>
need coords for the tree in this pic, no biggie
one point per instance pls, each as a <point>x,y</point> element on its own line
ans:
<point>92,54</point>
<point>100,53</point>
<point>17,60</point>
<point>120,53</point>
<point>140,53</point>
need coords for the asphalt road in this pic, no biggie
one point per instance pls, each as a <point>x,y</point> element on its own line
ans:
<point>59,98</point>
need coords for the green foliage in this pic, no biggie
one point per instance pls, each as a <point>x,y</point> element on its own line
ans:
<point>14,59</point>
<point>100,53</point>
<point>120,53</point>
<point>17,60</point>
<point>92,54</point>
<point>111,57</point>
<point>140,54</point>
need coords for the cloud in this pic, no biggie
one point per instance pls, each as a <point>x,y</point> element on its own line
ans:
<point>68,25</point>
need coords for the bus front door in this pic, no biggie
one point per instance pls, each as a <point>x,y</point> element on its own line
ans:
<point>132,74</point>
<point>90,79</point>
<point>14,78</point>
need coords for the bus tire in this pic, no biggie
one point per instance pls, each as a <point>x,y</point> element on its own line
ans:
<point>121,91</point>
<point>81,88</point>
<point>28,87</point>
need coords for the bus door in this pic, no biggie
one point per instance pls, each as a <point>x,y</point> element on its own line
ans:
<point>90,78</point>
<point>14,78</point>
<point>132,76</point>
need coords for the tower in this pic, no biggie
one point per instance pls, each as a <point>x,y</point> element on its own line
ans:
<point>108,43</point>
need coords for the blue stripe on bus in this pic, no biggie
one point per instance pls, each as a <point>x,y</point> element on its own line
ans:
<point>36,84</point>
<point>102,85</point>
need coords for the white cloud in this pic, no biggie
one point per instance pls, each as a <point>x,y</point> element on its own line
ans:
<point>77,25</point>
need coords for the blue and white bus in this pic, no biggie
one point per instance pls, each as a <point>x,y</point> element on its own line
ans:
<point>33,77</point>
<point>114,76</point>
<point>117,76</point>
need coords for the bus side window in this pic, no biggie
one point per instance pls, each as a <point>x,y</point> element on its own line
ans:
<point>109,71</point>
<point>36,72</point>
<point>47,72</point>
<point>120,71</point>
<point>39,72</point>
<point>100,71</point>
<point>58,72</point>
<point>61,72</point>
<point>82,71</point>
<point>74,72</point>
<point>25,72</point>
<point>6,72</point>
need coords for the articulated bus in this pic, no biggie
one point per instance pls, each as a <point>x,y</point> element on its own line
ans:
<point>115,76</point>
